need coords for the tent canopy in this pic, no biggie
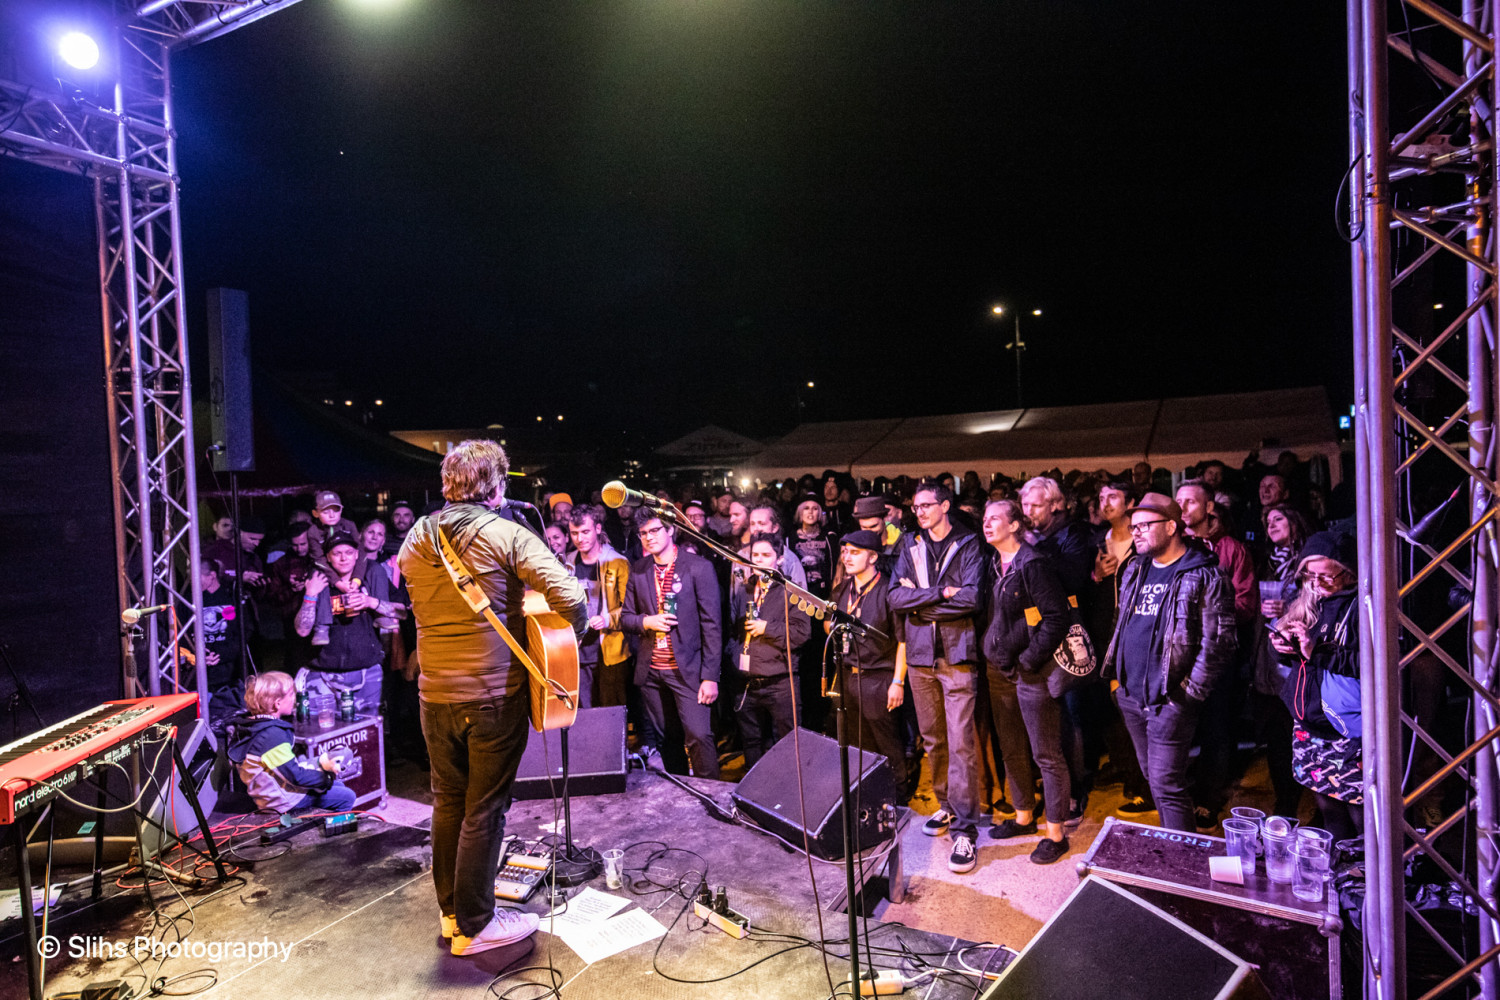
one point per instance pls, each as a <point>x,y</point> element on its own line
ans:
<point>1173,433</point>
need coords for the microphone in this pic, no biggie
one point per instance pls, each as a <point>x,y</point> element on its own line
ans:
<point>617,494</point>
<point>132,615</point>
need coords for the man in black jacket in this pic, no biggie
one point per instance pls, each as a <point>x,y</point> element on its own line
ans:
<point>763,622</point>
<point>1174,637</point>
<point>673,601</point>
<point>936,586</point>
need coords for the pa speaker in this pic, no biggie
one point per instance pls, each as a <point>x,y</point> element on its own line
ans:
<point>596,757</point>
<point>1106,944</point>
<point>229,405</point>
<point>769,794</point>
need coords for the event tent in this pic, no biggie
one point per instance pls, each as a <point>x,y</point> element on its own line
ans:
<point>1170,433</point>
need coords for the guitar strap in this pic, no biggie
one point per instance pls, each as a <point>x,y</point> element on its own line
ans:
<point>479,602</point>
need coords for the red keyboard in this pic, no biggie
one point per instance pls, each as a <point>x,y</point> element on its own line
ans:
<point>35,768</point>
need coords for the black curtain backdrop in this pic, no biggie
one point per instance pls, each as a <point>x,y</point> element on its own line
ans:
<point>59,609</point>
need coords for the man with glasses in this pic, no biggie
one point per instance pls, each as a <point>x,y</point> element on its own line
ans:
<point>936,588</point>
<point>673,601</point>
<point>1173,639</point>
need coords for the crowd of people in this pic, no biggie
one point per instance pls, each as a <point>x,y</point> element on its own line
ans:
<point>1035,639</point>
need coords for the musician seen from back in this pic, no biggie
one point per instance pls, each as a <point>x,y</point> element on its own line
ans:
<point>473,691</point>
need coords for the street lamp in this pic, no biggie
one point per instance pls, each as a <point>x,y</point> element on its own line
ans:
<point>1018,345</point>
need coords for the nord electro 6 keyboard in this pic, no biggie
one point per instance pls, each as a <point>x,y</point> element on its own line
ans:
<point>63,754</point>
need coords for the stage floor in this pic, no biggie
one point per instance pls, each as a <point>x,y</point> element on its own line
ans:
<point>356,916</point>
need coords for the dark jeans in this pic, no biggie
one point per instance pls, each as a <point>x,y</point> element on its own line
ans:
<point>1163,735</point>
<point>1217,742</point>
<point>1029,722</point>
<point>765,714</point>
<point>874,727</point>
<point>1276,724</point>
<point>671,704</point>
<point>475,748</point>
<point>587,674</point>
<point>338,798</point>
<point>944,693</point>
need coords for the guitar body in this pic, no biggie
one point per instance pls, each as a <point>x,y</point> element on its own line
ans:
<point>554,650</point>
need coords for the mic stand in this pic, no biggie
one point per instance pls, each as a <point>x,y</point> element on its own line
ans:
<point>577,864</point>
<point>844,626</point>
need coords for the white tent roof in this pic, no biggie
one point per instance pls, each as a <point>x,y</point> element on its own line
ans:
<point>1166,432</point>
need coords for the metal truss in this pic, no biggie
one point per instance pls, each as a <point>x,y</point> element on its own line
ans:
<point>1425,316</point>
<point>128,147</point>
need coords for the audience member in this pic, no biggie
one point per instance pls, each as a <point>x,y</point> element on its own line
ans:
<point>937,587</point>
<point>604,575</point>
<point>765,630</point>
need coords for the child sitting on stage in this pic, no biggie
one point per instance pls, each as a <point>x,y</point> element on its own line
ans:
<point>262,751</point>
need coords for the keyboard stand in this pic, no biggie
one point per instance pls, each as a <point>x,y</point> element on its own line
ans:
<point>36,967</point>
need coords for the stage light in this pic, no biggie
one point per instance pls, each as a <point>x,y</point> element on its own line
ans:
<point>1437,305</point>
<point>78,50</point>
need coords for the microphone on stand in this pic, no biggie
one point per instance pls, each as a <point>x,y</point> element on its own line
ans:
<point>617,494</point>
<point>132,615</point>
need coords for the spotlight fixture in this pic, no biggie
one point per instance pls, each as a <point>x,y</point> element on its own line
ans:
<point>78,50</point>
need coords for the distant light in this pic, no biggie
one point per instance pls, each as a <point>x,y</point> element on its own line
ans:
<point>997,310</point>
<point>559,416</point>
<point>1343,423</point>
<point>1437,305</point>
<point>1036,312</point>
<point>744,484</point>
<point>78,50</point>
<point>379,402</point>
<point>538,419</point>
<point>809,385</point>
<point>348,402</point>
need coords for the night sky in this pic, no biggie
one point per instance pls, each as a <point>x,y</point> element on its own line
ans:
<point>651,214</point>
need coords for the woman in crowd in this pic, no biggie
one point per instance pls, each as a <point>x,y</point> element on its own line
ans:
<point>557,539</point>
<point>1286,534</point>
<point>1319,639</point>
<point>1028,620</point>
<point>372,540</point>
<point>815,547</point>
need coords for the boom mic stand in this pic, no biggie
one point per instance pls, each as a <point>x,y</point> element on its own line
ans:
<point>843,624</point>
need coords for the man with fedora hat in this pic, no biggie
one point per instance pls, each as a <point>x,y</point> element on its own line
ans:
<point>1173,639</point>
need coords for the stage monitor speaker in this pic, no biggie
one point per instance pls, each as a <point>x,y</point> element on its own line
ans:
<point>229,403</point>
<point>596,757</point>
<point>768,794</point>
<point>1106,944</point>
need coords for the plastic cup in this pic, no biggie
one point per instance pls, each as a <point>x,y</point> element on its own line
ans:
<point>1310,870</point>
<point>1279,861</point>
<point>614,868</point>
<point>1322,838</point>
<point>1245,812</point>
<point>1239,842</point>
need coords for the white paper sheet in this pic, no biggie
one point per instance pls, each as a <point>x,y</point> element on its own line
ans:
<point>600,939</point>
<point>10,901</point>
<point>588,907</point>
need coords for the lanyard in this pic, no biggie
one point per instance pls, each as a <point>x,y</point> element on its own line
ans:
<point>663,576</point>
<point>859,596</point>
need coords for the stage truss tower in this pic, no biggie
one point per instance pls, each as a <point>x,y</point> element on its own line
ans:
<point>1422,210</point>
<point>128,147</point>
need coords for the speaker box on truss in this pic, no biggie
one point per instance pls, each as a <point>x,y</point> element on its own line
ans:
<point>596,757</point>
<point>229,405</point>
<point>1106,944</point>
<point>768,795</point>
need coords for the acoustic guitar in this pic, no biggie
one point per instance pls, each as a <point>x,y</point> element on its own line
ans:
<point>551,656</point>
<point>553,650</point>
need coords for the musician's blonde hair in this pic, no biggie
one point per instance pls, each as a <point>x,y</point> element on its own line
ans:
<point>264,692</point>
<point>474,471</point>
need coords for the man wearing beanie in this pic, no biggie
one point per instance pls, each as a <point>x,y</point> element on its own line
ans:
<point>1173,639</point>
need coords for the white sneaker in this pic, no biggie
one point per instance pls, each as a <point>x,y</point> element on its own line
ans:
<point>450,925</point>
<point>505,927</point>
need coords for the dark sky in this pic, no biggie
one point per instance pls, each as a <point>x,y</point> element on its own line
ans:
<point>650,214</point>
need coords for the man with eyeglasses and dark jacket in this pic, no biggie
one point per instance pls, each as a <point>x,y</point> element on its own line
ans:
<point>937,586</point>
<point>1174,638</point>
